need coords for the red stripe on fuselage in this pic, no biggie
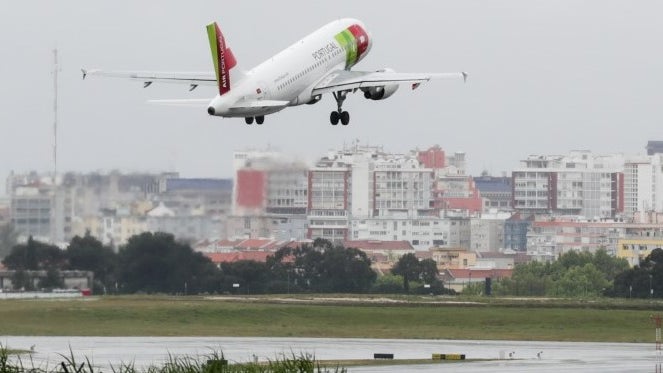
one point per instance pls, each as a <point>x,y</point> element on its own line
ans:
<point>361,38</point>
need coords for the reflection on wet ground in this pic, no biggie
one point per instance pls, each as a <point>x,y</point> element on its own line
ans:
<point>510,356</point>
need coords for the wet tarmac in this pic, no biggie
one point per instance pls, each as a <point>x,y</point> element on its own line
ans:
<point>509,356</point>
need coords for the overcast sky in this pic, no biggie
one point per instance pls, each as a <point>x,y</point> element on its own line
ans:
<point>546,77</point>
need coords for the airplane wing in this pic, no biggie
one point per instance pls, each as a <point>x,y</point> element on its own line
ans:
<point>193,79</point>
<point>343,80</point>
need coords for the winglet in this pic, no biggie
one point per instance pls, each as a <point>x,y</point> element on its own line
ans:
<point>464,77</point>
<point>84,71</point>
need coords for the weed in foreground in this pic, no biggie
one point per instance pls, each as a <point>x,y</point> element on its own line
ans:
<point>212,363</point>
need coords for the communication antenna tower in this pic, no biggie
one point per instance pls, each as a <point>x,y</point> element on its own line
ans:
<point>56,69</point>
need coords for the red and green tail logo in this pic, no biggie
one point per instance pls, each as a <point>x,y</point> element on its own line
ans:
<point>354,40</point>
<point>222,57</point>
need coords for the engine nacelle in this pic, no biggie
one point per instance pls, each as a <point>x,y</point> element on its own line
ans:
<point>381,92</point>
<point>314,99</point>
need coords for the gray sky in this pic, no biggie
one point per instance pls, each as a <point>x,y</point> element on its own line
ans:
<point>545,77</point>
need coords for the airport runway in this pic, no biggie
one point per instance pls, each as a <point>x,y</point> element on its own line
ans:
<point>516,356</point>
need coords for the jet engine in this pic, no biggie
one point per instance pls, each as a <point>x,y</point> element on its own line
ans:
<point>380,92</point>
<point>314,99</point>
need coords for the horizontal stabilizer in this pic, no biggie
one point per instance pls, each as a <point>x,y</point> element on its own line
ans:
<point>194,102</point>
<point>259,104</point>
<point>193,79</point>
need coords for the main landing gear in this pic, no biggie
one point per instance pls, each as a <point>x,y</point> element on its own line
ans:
<point>341,115</point>
<point>260,119</point>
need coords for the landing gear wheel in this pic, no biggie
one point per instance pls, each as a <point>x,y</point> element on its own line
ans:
<point>345,118</point>
<point>334,117</point>
<point>248,120</point>
<point>260,119</point>
<point>340,115</point>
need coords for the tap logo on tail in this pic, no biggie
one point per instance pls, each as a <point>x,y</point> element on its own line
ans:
<point>222,56</point>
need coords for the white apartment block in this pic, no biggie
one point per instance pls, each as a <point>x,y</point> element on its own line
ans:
<point>422,233</point>
<point>402,188</point>
<point>487,232</point>
<point>643,184</point>
<point>382,184</point>
<point>329,203</point>
<point>577,184</point>
<point>557,236</point>
<point>40,207</point>
<point>269,183</point>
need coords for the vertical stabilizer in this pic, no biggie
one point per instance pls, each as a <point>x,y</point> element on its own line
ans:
<point>222,56</point>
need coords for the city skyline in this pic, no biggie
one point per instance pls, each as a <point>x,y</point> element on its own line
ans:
<point>545,78</point>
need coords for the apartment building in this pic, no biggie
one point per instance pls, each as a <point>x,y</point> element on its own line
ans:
<point>635,249</point>
<point>496,192</point>
<point>487,232</point>
<point>113,206</point>
<point>576,184</point>
<point>643,184</point>
<point>329,201</point>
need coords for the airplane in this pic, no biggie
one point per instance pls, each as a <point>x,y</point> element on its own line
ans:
<point>318,64</point>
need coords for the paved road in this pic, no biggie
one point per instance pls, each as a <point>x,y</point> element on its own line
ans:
<point>525,356</point>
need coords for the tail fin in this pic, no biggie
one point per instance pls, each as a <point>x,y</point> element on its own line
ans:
<point>222,56</point>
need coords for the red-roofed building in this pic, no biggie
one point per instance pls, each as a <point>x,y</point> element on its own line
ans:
<point>258,256</point>
<point>457,279</point>
<point>453,257</point>
<point>216,246</point>
<point>248,245</point>
<point>433,158</point>
<point>458,193</point>
<point>254,244</point>
<point>391,250</point>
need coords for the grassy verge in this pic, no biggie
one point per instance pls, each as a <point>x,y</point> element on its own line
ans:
<point>341,316</point>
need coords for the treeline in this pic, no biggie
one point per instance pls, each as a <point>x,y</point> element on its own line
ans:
<point>157,263</point>
<point>573,274</point>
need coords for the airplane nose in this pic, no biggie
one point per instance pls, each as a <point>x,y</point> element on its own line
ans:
<point>211,110</point>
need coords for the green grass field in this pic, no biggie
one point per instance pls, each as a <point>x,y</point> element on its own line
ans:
<point>607,321</point>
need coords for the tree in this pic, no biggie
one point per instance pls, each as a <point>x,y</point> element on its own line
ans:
<point>346,270</point>
<point>388,284</point>
<point>21,280</point>
<point>156,263</point>
<point>35,255</point>
<point>408,267</point>
<point>428,271</point>
<point>530,279</point>
<point>641,280</point>
<point>321,268</point>
<point>280,267</point>
<point>581,281</point>
<point>8,239</point>
<point>249,274</point>
<point>53,280</point>
<point>610,266</point>
<point>89,254</point>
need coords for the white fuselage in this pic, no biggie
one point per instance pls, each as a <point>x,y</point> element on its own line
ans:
<point>291,75</point>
